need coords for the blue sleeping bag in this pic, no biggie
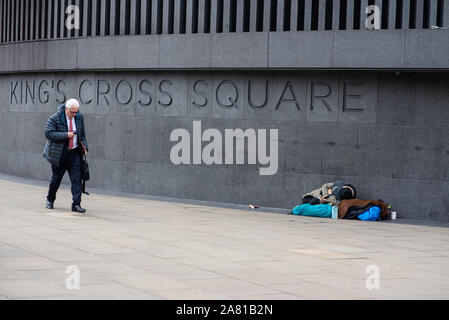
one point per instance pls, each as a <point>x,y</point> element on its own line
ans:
<point>373,214</point>
<point>318,210</point>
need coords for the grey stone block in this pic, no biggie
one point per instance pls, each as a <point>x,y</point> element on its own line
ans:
<point>396,98</point>
<point>95,128</point>
<point>37,167</point>
<point>369,49</point>
<point>258,96</point>
<point>61,55</point>
<point>16,140</point>
<point>146,94</point>
<point>234,50</point>
<point>322,97</point>
<point>34,140</point>
<point>137,52</point>
<point>67,86</point>
<point>185,51</point>
<point>438,193</point>
<point>15,93</point>
<point>259,190</point>
<point>289,96</point>
<point>375,151</point>
<point>440,153</point>
<point>4,61</point>
<point>14,57</point>
<point>5,92</point>
<point>86,92</point>
<point>358,97</point>
<point>432,99</point>
<point>171,92</point>
<point>336,144</point>
<point>200,94</point>
<point>302,161</point>
<point>113,137</point>
<point>152,178</point>
<point>212,184</point>
<point>26,55</point>
<point>39,55</point>
<point>300,49</point>
<point>124,93</point>
<point>427,48</point>
<point>96,53</point>
<point>158,138</point>
<point>411,152</point>
<point>117,175</point>
<point>401,195</point>
<point>136,143</point>
<point>228,95</point>
<point>45,92</point>
<point>104,101</point>
<point>4,119</point>
<point>293,191</point>
<point>323,148</point>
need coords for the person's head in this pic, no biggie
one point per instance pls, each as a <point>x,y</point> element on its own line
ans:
<point>72,108</point>
<point>347,192</point>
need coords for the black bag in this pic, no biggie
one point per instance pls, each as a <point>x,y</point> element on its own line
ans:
<point>85,175</point>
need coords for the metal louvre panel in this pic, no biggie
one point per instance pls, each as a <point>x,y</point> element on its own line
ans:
<point>24,20</point>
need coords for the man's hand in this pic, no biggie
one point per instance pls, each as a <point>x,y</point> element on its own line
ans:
<point>70,135</point>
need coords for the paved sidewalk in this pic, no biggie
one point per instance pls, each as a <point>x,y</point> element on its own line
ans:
<point>130,248</point>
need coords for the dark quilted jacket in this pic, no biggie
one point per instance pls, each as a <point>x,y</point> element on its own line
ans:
<point>56,134</point>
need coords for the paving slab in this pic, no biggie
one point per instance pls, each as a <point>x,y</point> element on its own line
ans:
<point>129,246</point>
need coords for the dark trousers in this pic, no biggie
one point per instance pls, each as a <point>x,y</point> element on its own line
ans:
<point>70,162</point>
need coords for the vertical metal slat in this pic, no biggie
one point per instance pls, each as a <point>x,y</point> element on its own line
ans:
<point>308,16</point>
<point>419,14</point>
<point>406,14</point>
<point>433,12</point>
<point>294,15</point>
<point>392,14</point>
<point>322,15</point>
<point>350,15</point>
<point>266,15</point>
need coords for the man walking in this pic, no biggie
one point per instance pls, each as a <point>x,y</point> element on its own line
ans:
<point>65,140</point>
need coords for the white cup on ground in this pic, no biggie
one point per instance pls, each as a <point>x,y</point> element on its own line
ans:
<point>393,215</point>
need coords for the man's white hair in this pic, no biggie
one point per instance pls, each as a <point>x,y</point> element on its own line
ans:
<point>72,103</point>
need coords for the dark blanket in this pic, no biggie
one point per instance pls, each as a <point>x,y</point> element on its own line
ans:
<point>345,205</point>
<point>354,212</point>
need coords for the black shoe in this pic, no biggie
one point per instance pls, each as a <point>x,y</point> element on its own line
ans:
<point>49,204</point>
<point>78,209</point>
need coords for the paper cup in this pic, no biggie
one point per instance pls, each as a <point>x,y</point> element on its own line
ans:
<point>393,215</point>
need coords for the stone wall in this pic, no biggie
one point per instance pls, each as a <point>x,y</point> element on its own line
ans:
<point>382,131</point>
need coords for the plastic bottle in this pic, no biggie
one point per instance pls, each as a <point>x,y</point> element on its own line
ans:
<point>334,212</point>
